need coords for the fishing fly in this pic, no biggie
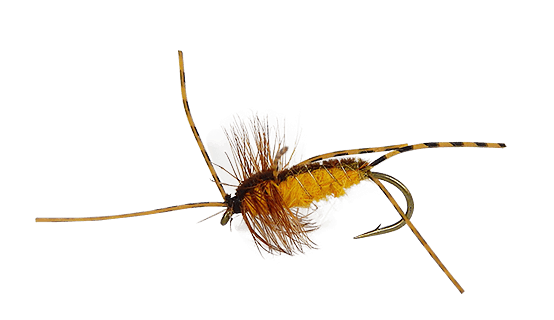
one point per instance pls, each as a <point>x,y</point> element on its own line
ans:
<point>271,193</point>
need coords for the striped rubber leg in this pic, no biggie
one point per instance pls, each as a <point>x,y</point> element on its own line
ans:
<point>351,152</point>
<point>416,233</point>
<point>436,145</point>
<point>129,215</point>
<point>193,127</point>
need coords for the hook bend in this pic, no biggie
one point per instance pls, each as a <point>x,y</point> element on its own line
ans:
<point>409,202</point>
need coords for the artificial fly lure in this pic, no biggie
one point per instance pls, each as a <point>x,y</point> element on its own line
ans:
<point>271,193</point>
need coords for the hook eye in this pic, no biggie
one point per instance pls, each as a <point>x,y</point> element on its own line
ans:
<point>226,216</point>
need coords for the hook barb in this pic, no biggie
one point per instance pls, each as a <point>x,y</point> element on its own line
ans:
<point>409,211</point>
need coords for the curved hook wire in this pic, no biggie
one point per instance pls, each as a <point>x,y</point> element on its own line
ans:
<point>416,233</point>
<point>409,210</point>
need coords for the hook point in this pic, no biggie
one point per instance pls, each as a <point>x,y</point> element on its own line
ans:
<point>369,233</point>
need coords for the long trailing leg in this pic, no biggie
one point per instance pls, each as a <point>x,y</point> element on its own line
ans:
<point>138,214</point>
<point>436,145</point>
<point>173,208</point>
<point>193,127</point>
<point>416,233</point>
<point>352,152</point>
<point>400,148</point>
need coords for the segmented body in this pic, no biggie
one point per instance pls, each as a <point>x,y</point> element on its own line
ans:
<point>269,201</point>
<point>301,185</point>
